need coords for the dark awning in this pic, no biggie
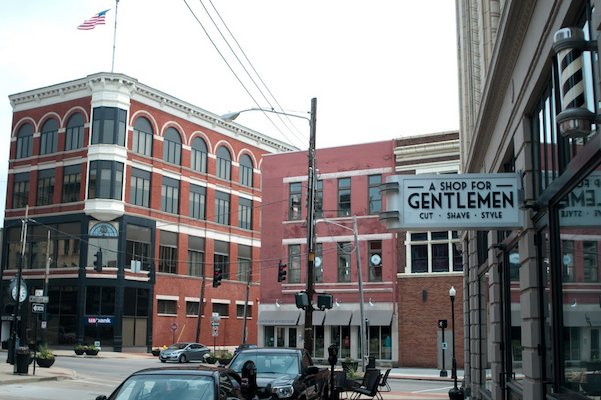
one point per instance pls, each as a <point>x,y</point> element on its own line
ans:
<point>338,317</point>
<point>278,317</point>
<point>375,317</point>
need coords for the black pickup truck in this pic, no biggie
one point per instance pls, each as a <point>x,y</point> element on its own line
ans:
<point>285,373</point>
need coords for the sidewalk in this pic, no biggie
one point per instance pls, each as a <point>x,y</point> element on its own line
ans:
<point>7,375</point>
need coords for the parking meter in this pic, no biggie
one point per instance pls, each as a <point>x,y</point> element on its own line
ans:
<point>333,354</point>
<point>332,359</point>
<point>249,380</point>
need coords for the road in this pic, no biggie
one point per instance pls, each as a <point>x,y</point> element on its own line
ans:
<point>102,376</point>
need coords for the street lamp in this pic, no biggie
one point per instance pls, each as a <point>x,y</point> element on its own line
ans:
<point>312,181</point>
<point>454,393</point>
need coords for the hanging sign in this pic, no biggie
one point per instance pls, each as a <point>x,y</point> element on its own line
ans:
<point>453,201</point>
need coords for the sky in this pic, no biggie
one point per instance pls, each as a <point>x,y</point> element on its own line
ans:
<point>379,69</point>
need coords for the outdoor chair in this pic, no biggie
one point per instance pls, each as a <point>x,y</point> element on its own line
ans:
<point>383,385</point>
<point>371,387</point>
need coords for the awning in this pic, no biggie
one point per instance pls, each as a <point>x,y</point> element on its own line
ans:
<point>318,317</point>
<point>278,317</point>
<point>375,317</point>
<point>338,317</point>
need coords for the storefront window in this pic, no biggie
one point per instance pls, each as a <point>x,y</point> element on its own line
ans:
<point>318,341</point>
<point>513,293</point>
<point>268,336</point>
<point>578,302</point>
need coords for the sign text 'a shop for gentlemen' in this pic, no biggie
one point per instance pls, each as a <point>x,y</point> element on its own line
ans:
<point>453,202</point>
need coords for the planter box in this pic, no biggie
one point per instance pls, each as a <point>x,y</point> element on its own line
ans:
<point>91,352</point>
<point>79,352</point>
<point>45,362</point>
<point>156,352</point>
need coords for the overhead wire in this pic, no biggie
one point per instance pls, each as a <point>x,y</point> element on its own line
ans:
<point>233,72</point>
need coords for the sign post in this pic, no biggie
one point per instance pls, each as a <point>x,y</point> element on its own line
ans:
<point>215,318</point>
<point>173,329</point>
<point>442,323</point>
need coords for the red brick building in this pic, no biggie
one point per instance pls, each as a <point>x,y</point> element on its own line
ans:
<point>163,190</point>
<point>348,181</point>
<point>429,263</point>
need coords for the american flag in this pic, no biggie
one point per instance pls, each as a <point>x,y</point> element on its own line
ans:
<point>97,19</point>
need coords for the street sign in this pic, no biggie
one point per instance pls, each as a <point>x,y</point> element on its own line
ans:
<point>37,308</point>
<point>214,323</point>
<point>215,331</point>
<point>38,299</point>
<point>215,317</point>
<point>174,327</point>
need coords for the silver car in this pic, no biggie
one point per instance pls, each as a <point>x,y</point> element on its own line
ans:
<point>184,352</point>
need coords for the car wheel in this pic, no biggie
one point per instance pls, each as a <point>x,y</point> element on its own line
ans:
<point>182,359</point>
<point>163,360</point>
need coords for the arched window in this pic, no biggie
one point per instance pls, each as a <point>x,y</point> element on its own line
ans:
<point>74,134</point>
<point>246,170</point>
<point>172,146</point>
<point>142,140</point>
<point>24,141</point>
<point>199,155</point>
<point>49,137</point>
<point>224,163</point>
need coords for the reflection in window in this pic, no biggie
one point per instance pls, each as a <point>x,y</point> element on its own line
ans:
<point>246,170</point>
<point>74,132</point>
<point>172,146</point>
<point>24,141</point>
<point>49,137</point>
<point>294,261</point>
<point>344,262</point>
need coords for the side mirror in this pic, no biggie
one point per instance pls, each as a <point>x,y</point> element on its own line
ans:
<point>312,370</point>
<point>101,397</point>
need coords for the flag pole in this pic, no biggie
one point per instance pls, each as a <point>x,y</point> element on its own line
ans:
<point>115,35</point>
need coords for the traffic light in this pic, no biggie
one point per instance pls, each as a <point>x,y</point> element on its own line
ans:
<point>217,275</point>
<point>281,272</point>
<point>98,262</point>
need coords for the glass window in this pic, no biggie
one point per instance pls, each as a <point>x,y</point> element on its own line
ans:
<point>222,208</point>
<point>221,258</point>
<point>196,256</point>
<point>198,199</point>
<point>108,126</point>
<point>106,180</point>
<point>168,307</point>
<point>431,252</point>
<point>294,212</point>
<point>138,245</point>
<point>71,183</point>
<point>45,187</point>
<point>245,213</point>
<point>167,252</point>
<point>49,137</point>
<point>74,133</point>
<point>140,188</point>
<point>222,309</point>
<point>24,141</point>
<point>373,193</point>
<point>224,163</point>
<point>20,190</point>
<point>172,146</point>
<point>199,155</point>
<point>375,260</point>
<point>294,263</point>
<point>344,197</point>
<point>246,170</point>
<point>244,263</point>
<point>319,200</point>
<point>344,262</point>
<point>240,311</point>
<point>170,195</point>
<point>318,274</point>
<point>142,137</point>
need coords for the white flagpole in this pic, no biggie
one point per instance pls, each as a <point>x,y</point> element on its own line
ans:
<point>115,35</point>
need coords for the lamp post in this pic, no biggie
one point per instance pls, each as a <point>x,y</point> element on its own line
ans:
<point>454,393</point>
<point>312,179</point>
<point>361,299</point>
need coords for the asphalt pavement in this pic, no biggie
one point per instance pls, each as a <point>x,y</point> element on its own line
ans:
<point>8,374</point>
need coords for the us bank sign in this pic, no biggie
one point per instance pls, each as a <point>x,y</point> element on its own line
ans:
<point>453,202</point>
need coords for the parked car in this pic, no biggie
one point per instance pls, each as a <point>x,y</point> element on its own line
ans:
<point>199,383</point>
<point>244,346</point>
<point>285,373</point>
<point>184,352</point>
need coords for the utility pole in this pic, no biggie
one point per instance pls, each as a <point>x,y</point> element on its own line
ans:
<point>17,299</point>
<point>48,261</point>
<point>200,303</point>
<point>312,176</point>
<point>248,279</point>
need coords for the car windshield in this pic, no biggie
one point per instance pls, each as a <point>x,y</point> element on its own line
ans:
<point>178,346</point>
<point>280,363</point>
<point>161,387</point>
